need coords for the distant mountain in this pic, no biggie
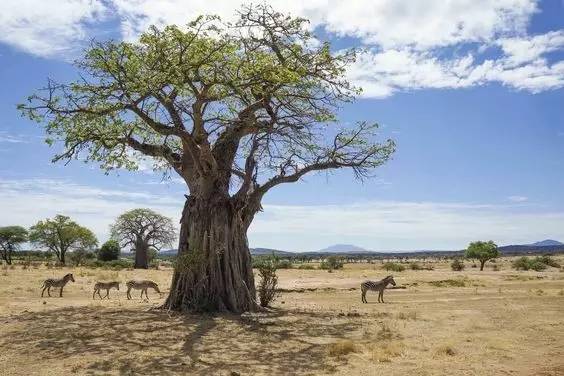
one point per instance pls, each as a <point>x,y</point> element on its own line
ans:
<point>547,242</point>
<point>269,251</point>
<point>344,248</point>
<point>254,251</point>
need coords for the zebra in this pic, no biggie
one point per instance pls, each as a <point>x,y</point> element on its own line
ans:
<point>104,286</point>
<point>48,283</point>
<point>141,285</point>
<point>376,286</point>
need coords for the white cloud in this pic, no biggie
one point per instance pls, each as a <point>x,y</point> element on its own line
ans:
<point>8,138</point>
<point>518,198</point>
<point>378,225</point>
<point>412,44</point>
<point>47,28</point>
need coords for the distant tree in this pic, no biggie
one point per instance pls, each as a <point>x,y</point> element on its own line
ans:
<point>143,229</point>
<point>10,239</point>
<point>482,251</point>
<point>79,256</point>
<point>109,251</point>
<point>457,265</point>
<point>60,235</point>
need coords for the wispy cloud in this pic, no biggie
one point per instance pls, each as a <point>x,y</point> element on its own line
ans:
<point>518,198</point>
<point>8,138</point>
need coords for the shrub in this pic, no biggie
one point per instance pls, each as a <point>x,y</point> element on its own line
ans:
<point>537,264</point>
<point>547,260</point>
<point>394,267</point>
<point>415,266</point>
<point>496,268</point>
<point>80,257</point>
<point>522,263</point>
<point>342,348</point>
<point>332,263</point>
<point>449,283</point>
<point>457,265</point>
<point>284,264</point>
<point>268,280</point>
<point>109,251</point>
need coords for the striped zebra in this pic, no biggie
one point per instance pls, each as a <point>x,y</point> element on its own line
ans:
<point>141,285</point>
<point>104,286</point>
<point>48,283</point>
<point>376,286</point>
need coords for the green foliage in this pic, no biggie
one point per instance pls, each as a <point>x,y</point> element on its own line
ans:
<point>449,283</point>
<point>482,251</point>
<point>267,288</point>
<point>109,251</point>
<point>10,238</point>
<point>61,234</point>
<point>114,264</point>
<point>393,266</point>
<point>81,256</point>
<point>151,255</point>
<point>538,264</point>
<point>332,263</point>
<point>457,265</point>
<point>306,267</point>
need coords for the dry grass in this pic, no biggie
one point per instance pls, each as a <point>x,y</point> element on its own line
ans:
<point>317,327</point>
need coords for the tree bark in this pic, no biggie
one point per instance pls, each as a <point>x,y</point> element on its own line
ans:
<point>482,263</point>
<point>141,257</point>
<point>213,270</point>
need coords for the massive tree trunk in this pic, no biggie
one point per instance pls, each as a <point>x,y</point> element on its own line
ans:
<point>141,255</point>
<point>214,270</point>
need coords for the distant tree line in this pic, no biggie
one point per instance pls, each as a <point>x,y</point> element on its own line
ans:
<point>143,229</point>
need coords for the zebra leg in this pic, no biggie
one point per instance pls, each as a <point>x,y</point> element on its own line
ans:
<point>128,293</point>
<point>61,293</point>
<point>43,291</point>
<point>100,295</point>
<point>141,293</point>
<point>94,294</point>
<point>380,296</point>
<point>107,294</point>
<point>49,291</point>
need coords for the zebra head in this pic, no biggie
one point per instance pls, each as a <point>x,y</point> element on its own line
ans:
<point>390,279</point>
<point>69,277</point>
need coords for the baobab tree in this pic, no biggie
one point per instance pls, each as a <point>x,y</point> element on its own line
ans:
<point>143,229</point>
<point>235,109</point>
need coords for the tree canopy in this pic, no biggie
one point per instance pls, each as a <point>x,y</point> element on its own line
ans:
<point>60,235</point>
<point>10,238</point>
<point>239,106</point>
<point>109,251</point>
<point>482,251</point>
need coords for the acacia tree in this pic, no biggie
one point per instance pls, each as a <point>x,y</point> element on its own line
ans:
<point>235,110</point>
<point>143,229</point>
<point>60,235</point>
<point>482,251</point>
<point>10,238</point>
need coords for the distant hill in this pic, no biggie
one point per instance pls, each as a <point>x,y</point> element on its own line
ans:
<point>254,251</point>
<point>344,248</point>
<point>547,242</point>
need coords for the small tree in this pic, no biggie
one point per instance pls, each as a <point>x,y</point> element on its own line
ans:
<point>10,239</point>
<point>482,251</point>
<point>143,229</point>
<point>109,251</point>
<point>60,235</point>
<point>332,262</point>
<point>267,292</point>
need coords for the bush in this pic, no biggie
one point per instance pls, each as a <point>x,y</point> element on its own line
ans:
<point>80,257</point>
<point>415,266</point>
<point>268,280</point>
<point>394,267</point>
<point>537,264</point>
<point>284,264</point>
<point>457,265</point>
<point>547,260</point>
<point>109,251</point>
<point>332,263</point>
<point>115,264</point>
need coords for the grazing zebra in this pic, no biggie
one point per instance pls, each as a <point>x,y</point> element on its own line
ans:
<point>141,285</point>
<point>104,286</point>
<point>48,283</point>
<point>376,286</point>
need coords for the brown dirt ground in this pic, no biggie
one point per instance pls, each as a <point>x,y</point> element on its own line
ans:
<point>501,323</point>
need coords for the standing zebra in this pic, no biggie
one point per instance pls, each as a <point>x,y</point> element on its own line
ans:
<point>48,283</point>
<point>376,286</point>
<point>104,286</point>
<point>141,285</point>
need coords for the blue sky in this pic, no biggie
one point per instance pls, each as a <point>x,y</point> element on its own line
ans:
<point>472,92</point>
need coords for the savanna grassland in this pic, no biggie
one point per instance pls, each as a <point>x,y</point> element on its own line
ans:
<point>502,322</point>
